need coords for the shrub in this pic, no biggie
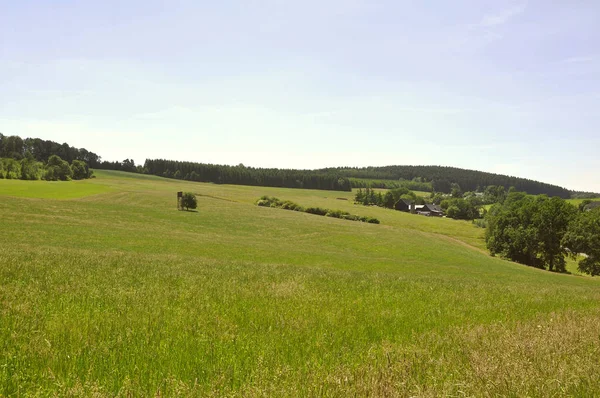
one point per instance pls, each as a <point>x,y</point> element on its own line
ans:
<point>189,201</point>
<point>336,213</point>
<point>480,222</point>
<point>288,205</point>
<point>316,210</point>
<point>80,170</point>
<point>58,169</point>
<point>268,201</point>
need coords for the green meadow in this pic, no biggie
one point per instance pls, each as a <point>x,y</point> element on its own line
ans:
<point>106,289</point>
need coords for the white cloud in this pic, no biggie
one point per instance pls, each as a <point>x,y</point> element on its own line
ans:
<point>503,16</point>
<point>578,60</point>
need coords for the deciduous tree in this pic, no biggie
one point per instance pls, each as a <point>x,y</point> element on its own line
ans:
<point>583,237</point>
<point>189,201</point>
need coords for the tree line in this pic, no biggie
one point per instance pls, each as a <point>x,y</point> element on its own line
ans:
<point>456,206</point>
<point>56,169</point>
<point>442,178</point>
<point>35,159</point>
<point>242,175</point>
<point>416,184</point>
<point>438,179</point>
<point>541,232</point>
<point>14,147</point>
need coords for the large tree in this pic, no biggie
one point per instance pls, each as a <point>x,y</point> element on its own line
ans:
<point>583,237</point>
<point>552,221</point>
<point>529,229</point>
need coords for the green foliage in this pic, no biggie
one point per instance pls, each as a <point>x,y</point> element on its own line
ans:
<point>189,201</point>
<point>40,150</point>
<point>316,210</point>
<point>494,194</point>
<point>583,236</point>
<point>529,230</point>
<point>455,191</point>
<point>270,201</point>
<point>437,198</point>
<point>12,168</point>
<point>585,195</point>
<point>57,169</point>
<point>480,222</point>
<point>416,184</point>
<point>80,170</point>
<point>388,200</point>
<point>441,179</point>
<point>242,175</point>
<point>30,169</point>
<point>461,209</point>
<point>369,197</point>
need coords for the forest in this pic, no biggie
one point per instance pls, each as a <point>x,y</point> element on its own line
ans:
<point>242,175</point>
<point>442,178</point>
<point>420,178</point>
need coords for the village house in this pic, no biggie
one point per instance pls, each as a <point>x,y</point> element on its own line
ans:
<point>404,205</point>
<point>408,205</point>
<point>429,210</point>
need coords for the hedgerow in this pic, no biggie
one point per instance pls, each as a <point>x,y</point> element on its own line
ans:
<point>270,201</point>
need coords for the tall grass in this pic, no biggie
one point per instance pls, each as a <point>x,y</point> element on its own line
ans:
<point>119,294</point>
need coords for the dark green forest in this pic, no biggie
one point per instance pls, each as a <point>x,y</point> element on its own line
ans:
<point>442,178</point>
<point>241,175</point>
<point>421,178</point>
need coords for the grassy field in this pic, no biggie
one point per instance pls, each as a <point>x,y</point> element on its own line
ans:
<point>107,290</point>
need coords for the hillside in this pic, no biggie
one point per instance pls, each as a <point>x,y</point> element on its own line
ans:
<point>419,178</point>
<point>442,177</point>
<point>108,290</point>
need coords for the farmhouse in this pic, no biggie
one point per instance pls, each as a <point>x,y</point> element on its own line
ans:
<point>403,205</point>
<point>430,210</point>
<point>408,205</point>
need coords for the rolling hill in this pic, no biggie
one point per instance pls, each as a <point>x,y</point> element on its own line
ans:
<point>108,290</point>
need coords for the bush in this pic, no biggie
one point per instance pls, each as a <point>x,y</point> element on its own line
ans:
<point>58,169</point>
<point>288,205</point>
<point>80,170</point>
<point>336,213</point>
<point>30,169</point>
<point>480,222</point>
<point>316,210</point>
<point>188,200</point>
<point>268,201</point>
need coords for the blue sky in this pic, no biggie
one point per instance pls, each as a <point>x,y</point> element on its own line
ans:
<point>511,87</point>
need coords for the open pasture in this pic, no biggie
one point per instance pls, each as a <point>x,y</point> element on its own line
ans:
<point>106,289</point>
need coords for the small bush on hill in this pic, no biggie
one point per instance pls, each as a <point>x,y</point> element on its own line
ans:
<point>336,213</point>
<point>189,201</point>
<point>289,205</point>
<point>317,211</point>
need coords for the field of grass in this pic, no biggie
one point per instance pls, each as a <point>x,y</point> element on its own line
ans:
<point>107,290</point>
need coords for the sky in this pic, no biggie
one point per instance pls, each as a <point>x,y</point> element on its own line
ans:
<point>510,87</point>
